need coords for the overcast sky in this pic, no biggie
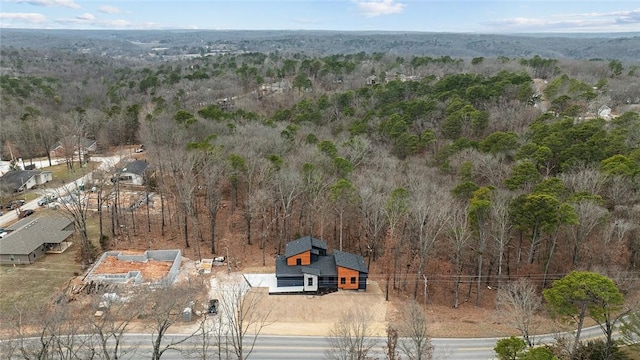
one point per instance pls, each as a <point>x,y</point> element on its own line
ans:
<point>475,16</point>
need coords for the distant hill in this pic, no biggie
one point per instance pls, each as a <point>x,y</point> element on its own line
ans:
<point>621,46</point>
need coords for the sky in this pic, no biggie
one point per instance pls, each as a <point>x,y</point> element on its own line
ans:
<point>457,16</point>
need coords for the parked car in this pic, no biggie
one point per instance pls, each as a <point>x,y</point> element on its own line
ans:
<point>25,213</point>
<point>15,204</point>
<point>213,306</point>
<point>47,199</point>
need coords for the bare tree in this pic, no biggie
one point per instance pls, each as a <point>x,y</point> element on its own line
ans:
<point>520,301</point>
<point>429,216</point>
<point>243,315</point>
<point>374,219</point>
<point>184,169</point>
<point>287,185</point>
<point>585,179</point>
<point>415,341</point>
<point>212,340</point>
<point>46,133</point>
<point>391,347</point>
<point>109,328</point>
<point>500,226</point>
<point>213,173</point>
<point>589,216</point>
<point>50,332</point>
<point>167,310</point>
<point>351,337</point>
<point>459,236</point>
<point>314,187</point>
<point>74,205</point>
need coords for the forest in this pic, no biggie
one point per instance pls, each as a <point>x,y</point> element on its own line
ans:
<point>468,171</point>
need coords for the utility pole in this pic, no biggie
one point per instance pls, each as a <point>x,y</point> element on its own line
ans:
<point>228,263</point>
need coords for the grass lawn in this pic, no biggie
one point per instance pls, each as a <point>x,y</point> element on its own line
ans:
<point>62,175</point>
<point>37,283</point>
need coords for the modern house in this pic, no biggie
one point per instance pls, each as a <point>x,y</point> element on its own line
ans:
<point>132,173</point>
<point>29,239</point>
<point>307,267</point>
<point>21,180</point>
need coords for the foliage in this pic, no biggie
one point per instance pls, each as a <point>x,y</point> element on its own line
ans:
<point>510,348</point>
<point>538,353</point>
<point>619,165</point>
<point>524,173</point>
<point>582,293</point>
<point>597,350</point>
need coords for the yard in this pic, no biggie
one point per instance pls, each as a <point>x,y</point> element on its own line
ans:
<point>35,285</point>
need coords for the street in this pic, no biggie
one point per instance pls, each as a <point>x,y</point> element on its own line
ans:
<point>315,347</point>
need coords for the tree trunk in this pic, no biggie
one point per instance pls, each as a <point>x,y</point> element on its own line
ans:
<point>247,217</point>
<point>100,216</point>
<point>186,231</point>
<point>576,342</point>
<point>479,280</point>
<point>212,230</point>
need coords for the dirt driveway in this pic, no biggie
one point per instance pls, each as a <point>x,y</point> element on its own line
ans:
<point>311,314</point>
<point>316,315</point>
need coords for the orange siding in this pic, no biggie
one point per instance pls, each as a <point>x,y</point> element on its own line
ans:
<point>305,256</point>
<point>347,274</point>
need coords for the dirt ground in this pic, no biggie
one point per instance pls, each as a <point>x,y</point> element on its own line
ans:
<point>152,270</point>
<point>316,315</point>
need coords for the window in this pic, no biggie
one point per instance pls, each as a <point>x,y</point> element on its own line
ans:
<point>298,261</point>
<point>353,279</point>
<point>343,280</point>
<point>310,282</point>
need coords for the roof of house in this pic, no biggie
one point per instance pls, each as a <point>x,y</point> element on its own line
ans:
<point>28,234</point>
<point>17,178</point>
<point>350,261</point>
<point>324,266</point>
<point>134,167</point>
<point>303,244</point>
<point>84,142</point>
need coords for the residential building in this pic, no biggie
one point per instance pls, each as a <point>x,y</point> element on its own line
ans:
<point>132,173</point>
<point>80,146</point>
<point>307,267</point>
<point>29,239</point>
<point>21,180</point>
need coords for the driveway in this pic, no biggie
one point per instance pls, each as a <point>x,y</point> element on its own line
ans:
<point>317,314</point>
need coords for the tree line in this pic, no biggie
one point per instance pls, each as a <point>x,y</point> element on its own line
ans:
<point>448,175</point>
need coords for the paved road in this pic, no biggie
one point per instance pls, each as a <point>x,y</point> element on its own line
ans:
<point>315,347</point>
<point>12,215</point>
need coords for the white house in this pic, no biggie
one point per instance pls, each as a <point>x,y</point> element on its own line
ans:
<point>21,180</point>
<point>132,173</point>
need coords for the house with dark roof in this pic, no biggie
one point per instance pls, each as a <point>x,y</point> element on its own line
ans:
<point>307,267</point>
<point>80,146</point>
<point>21,180</point>
<point>29,239</point>
<point>132,173</point>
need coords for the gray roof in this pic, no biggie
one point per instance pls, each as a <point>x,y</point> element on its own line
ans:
<point>28,234</point>
<point>134,167</point>
<point>350,261</point>
<point>16,178</point>
<point>84,142</point>
<point>303,244</point>
<point>325,266</point>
